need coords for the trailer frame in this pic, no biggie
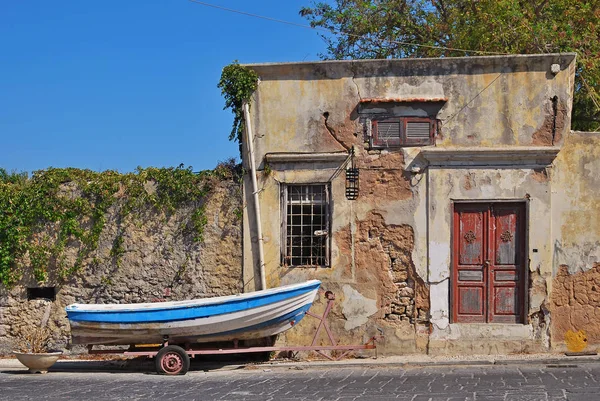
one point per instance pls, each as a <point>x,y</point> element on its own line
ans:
<point>174,359</point>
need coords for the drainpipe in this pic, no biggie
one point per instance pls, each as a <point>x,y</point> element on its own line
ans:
<point>554,113</point>
<point>261,250</point>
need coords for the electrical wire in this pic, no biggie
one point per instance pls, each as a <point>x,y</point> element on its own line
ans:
<point>339,32</point>
<point>472,99</point>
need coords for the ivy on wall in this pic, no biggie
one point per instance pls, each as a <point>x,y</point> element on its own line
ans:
<point>237,85</point>
<point>42,214</point>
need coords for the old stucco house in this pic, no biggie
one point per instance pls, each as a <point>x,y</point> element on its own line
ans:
<point>445,202</point>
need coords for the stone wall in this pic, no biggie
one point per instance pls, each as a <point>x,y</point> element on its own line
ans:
<point>158,261</point>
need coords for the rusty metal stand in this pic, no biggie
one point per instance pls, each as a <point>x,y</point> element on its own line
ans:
<point>330,296</point>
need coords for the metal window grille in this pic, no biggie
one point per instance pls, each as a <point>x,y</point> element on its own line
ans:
<point>306,229</point>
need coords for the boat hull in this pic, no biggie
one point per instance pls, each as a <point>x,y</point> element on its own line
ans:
<point>242,317</point>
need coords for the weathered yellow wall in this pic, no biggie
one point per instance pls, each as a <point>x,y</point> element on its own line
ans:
<point>384,259</point>
<point>575,301</point>
<point>492,101</point>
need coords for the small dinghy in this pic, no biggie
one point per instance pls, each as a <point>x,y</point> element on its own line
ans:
<point>237,317</point>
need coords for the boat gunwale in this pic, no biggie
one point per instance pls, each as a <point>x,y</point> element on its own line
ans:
<point>168,317</point>
<point>186,304</point>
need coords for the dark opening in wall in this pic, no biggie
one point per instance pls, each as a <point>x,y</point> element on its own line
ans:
<point>48,293</point>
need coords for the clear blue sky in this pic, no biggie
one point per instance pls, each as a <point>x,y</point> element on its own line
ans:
<point>117,84</point>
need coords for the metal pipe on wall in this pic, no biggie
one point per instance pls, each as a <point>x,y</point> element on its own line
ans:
<point>261,250</point>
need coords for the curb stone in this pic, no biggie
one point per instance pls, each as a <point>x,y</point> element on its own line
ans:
<point>410,361</point>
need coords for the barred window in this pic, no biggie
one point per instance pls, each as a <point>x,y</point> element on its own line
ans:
<point>305,225</point>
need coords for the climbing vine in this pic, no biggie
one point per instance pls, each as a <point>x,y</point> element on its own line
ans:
<point>237,85</point>
<point>58,207</point>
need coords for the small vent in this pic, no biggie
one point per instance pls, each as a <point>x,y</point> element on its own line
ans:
<point>48,293</point>
<point>417,130</point>
<point>388,131</point>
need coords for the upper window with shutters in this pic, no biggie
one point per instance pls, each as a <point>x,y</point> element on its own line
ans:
<point>399,122</point>
<point>390,132</point>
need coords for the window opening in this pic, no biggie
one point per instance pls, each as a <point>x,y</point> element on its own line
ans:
<point>306,230</point>
<point>402,131</point>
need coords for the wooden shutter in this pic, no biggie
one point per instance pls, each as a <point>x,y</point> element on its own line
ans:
<point>402,131</point>
<point>387,132</point>
<point>417,131</point>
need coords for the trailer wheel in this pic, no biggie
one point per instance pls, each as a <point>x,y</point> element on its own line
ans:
<point>172,360</point>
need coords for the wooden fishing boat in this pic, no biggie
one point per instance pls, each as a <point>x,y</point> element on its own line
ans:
<point>237,317</point>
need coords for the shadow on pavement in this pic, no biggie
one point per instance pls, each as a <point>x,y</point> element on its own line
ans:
<point>141,365</point>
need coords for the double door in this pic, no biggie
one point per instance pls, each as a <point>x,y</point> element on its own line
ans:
<point>488,262</point>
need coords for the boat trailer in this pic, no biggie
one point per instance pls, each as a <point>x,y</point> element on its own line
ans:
<point>175,359</point>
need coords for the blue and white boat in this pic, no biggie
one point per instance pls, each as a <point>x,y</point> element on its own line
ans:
<point>237,317</point>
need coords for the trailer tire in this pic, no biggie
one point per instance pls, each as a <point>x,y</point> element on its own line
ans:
<point>172,360</point>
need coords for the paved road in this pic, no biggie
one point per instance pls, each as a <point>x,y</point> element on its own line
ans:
<point>343,383</point>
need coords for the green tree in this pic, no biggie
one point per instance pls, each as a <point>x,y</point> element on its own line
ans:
<point>441,28</point>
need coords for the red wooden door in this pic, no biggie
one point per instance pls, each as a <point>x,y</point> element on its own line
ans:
<point>488,268</point>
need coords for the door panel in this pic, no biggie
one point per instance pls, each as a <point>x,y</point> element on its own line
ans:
<point>506,301</point>
<point>505,275</point>
<point>471,237</point>
<point>507,271</point>
<point>470,302</point>
<point>469,276</point>
<point>505,237</point>
<point>488,262</point>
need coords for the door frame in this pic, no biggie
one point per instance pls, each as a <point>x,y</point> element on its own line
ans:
<point>525,257</point>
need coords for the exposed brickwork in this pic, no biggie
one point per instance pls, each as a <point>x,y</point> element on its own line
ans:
<point>385,249</point>
<point>550,132</point>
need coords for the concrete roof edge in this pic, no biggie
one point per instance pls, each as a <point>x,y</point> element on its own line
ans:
<point>475,59</point>
<point>287,157</point>
<point>511,155</point>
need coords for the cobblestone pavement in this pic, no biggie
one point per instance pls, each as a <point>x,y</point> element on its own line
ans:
<point>526,382</point>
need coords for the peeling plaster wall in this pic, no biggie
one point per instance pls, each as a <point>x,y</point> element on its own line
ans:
<point>576,245</point>
<point>392,245</point>
<point>372,273</point>
<point>492,101</point>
